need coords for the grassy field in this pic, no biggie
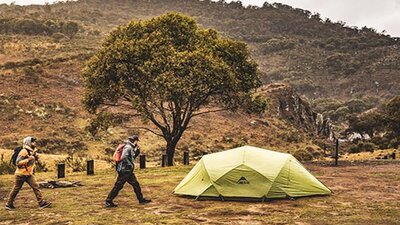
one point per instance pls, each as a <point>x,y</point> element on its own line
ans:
<point>362,194</point>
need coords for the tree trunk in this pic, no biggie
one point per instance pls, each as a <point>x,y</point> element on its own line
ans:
<point>172,140</point>
<point>170,151</point>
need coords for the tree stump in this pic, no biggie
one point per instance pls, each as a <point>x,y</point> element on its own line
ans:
<point>60,170</point>
<point>142,160</point>
<point>90,167</point>
<point>185,158</point>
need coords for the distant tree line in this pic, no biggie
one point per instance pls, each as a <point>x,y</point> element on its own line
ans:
<point>381,124</point>
<point>38,27</point>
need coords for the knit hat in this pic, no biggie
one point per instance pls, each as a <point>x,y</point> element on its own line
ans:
<point>133,138</point>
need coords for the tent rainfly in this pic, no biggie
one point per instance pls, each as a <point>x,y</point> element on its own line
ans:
<point>250,172</point>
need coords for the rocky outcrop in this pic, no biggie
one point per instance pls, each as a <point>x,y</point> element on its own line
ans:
<point>288,105</point>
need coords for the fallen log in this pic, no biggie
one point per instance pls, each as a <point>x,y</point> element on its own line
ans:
<point>59,184</point>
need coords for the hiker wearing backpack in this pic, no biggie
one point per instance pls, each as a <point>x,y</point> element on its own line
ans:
<point>24,159</point>
<point>124,157</point>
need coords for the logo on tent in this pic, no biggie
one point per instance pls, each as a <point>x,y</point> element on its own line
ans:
<point>243,180</point>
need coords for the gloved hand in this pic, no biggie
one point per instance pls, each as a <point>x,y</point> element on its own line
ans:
<point>137,152</point>
<point>35,155</point>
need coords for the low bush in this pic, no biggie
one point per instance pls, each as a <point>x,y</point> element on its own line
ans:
<point>278,44</point>
<point>6,167</point>
<point>303,155</point>
<point>394,143</point>
<point>77,164</point>
<point>381,142</point>
<point>29,26</point>
<point>362,147</point>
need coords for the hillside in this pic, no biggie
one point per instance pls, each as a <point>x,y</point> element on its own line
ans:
<point>43,50</point>
<point>291,45</point>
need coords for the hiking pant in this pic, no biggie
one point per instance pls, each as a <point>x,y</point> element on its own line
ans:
<point>122,178</point>
<point>19,181</point>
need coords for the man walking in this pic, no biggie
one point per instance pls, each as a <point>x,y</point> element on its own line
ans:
<point>125,172</point>
<point>25,163</point>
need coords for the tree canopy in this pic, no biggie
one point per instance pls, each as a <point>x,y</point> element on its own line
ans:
<point>382,124</point>
<point>169,69</point>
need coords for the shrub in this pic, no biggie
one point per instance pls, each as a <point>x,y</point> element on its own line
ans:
<point>326,104</point>
<point>291,137</point>
<point>357,105</point>
<point>394,143</point>
<point>41,166</point>
<point>315,153</point>
<point>77,164</point>
<point>381,142</point>
<point>6,167</point>
<point>258,105</point>
<point>303,155</point>
<point>342,63</point>
<point>340,114</point>
<point>362,147</point>
<point>70,28</point>
<point>38,27</point>
<point>303,85</point>
<point>94,32</point>
<point>58,36</point>
<point>278,44</point>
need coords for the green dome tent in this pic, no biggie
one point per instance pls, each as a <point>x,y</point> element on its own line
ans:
<point>250,172</point>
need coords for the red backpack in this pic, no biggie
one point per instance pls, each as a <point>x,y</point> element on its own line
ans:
<point>118,153</point>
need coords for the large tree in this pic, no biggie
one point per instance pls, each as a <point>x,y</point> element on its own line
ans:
<point>170,70</point>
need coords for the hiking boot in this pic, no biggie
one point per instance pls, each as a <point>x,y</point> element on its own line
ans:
<point>44,204</point>
<point>110,205</point>
<point>144,201</point>
<point>10,207</point>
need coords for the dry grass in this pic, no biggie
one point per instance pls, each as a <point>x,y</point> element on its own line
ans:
<point>362,194</point>
<point>370,155</point>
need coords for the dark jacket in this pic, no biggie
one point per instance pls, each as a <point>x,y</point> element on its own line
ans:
<point>129,153</point>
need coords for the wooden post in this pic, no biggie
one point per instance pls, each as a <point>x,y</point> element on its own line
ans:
<point>185,158</point>
<point>163,160</point>
<point>142,160</point>
<point>337,152</point>
<point>61,170</point>
<point>2,157</point>
<point>90,167</point>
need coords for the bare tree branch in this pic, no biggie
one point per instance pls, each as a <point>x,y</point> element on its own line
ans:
<point>209,111</point>
<point>148,129</point>
<point>163,115</point>
<point>115,104</point>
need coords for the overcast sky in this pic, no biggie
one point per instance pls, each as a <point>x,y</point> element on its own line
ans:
<point>378,14</point>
